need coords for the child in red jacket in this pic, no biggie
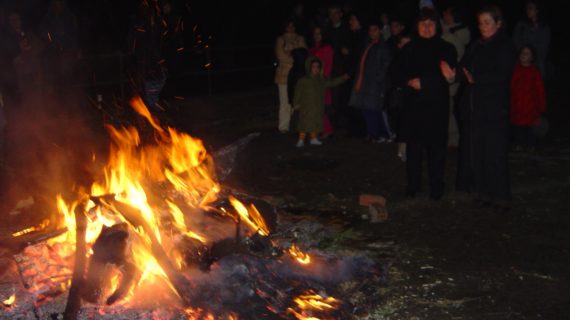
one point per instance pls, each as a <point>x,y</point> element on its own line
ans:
<point>528,100</point>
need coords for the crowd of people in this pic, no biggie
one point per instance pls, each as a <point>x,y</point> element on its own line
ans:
<point>426,85</point>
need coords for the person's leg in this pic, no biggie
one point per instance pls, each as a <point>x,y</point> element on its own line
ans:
<point>372,119</point>
<point>436,166</point>
<point>301,140</point>
<point>284,108</point>
<point>314,140</point>
<point>414,167</point>
<point>384,126</point>
<point>453,130</point>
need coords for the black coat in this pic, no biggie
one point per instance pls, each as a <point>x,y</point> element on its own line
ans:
<point>484,118</point>
<point>374,82</point>
<point>425,116</point>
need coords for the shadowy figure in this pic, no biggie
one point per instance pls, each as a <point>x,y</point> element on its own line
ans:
<point>486,70</point>
<point>146,42</point>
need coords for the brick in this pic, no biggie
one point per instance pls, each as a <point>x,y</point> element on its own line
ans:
<point>368,199</point>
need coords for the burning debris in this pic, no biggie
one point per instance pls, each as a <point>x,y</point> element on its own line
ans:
<point>158,232</point>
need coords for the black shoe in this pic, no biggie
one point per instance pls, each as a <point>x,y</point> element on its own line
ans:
<point>436,197</point>
<point>501,208</point>
<point>482,203</point>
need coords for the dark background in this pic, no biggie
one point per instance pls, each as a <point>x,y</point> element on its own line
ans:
<point>240,34</point>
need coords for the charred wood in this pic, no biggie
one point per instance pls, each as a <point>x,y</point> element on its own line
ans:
<point>74,298</point>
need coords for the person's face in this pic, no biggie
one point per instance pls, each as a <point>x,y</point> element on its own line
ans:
<point>426,29</point>
<point>290,28</point>
<point>384,18</point>
<point>525,57</point>
<point>396,27</point>
<point>487,25</point>
<point>448,18</point>
<point>374,32</point>
<point>57,6</point>
<point>353,23</point>
<point>167,8</point>
<point>315,68</point>
<point>335,15</point>
<point>14,22</point>
<point>532,11</point>
<point>317,35</point>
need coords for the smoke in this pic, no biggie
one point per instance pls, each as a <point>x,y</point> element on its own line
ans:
<point>52,143</point>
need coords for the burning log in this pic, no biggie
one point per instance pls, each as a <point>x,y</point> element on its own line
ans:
<point>19,243</point>
<point>74,298</point>
<point>179,282</point>
<point>110,250</point>
<point>256,245</point>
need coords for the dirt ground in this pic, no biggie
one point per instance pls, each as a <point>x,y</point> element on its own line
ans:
<point>446,259</point>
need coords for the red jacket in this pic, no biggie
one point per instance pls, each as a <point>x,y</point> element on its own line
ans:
<point>527,95</point>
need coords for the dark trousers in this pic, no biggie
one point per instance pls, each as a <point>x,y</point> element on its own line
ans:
<point>523,136</point>
<point>377,124</point>
<point>435,160</point>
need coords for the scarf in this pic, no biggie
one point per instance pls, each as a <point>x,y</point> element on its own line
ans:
<point>360,79</point>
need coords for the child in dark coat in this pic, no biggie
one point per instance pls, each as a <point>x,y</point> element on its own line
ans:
<point>309,100</point>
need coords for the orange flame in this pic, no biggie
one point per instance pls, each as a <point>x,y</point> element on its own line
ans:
<point>299,255</point>
<point>311,302</point>
<point>174,162</point>
<point>251,217</point>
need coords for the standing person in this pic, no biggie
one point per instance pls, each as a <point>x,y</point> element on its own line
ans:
<point>284,44</point>
<point>298,71</point>
<point>484,113</point>
<point>357,41</point>
<point>528,100</point>
<point>309,98</point>
<point>371,84</point>
<point>535,32</point>
<point>426,97</point>
<point>397,27</point>
<point>456,33</point>
<point>396,106</point>
<point>321,49</point>
<point>337,34</point>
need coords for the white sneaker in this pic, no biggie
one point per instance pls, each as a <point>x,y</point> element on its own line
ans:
<point>315,142</point>
<point>300,144</point>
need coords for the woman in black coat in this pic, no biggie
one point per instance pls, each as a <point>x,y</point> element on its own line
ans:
<point>426,100</point>
<point>484,113</point>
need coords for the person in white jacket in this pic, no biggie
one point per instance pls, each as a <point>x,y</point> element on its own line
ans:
<point>458,34</point>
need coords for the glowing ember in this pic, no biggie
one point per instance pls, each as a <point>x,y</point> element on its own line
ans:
<point>10,301</point>
<point>311,303</point>
<point>299,255</point>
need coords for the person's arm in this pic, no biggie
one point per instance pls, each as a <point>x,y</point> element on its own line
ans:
<point>280,52</point>
<point>336,81</point>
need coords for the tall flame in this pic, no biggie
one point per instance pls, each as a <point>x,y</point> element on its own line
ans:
<point>155,179</point>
